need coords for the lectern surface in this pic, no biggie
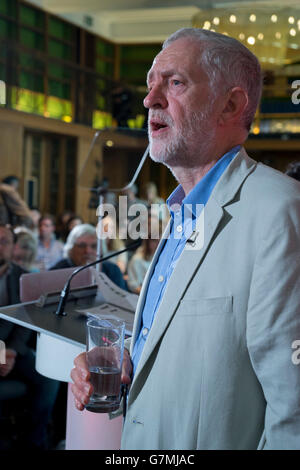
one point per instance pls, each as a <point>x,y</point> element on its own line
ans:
<point>70,328</point>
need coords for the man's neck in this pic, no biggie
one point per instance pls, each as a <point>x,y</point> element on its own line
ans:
<point>189,177</point>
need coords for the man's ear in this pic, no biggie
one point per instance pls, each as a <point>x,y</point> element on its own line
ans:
<point>235,104</point>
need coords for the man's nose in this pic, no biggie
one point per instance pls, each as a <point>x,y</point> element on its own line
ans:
<point>156,98</point>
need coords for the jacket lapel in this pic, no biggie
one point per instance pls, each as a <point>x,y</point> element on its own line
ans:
<point>192,255</point>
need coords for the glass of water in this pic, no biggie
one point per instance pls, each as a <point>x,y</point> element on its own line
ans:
<point>104,351</point>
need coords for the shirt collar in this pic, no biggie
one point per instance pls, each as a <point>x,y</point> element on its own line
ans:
<point>200,194</point>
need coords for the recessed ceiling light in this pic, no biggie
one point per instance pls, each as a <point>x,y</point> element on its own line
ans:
<point>274,18</point>
<point>293,32</point>
<point>252,18</point>
<point>241,36</point>
<point>232,19</point>
<point>260,36</point>
<point>278,35</point>
<point>251,40</point>
<point>291,20</point>
<point>206,25</point>
<point>216,20</point>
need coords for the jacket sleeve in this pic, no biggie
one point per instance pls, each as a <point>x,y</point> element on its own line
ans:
<point>273,326</point>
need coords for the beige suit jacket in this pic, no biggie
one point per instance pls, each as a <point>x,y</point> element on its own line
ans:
<point>216,371</point>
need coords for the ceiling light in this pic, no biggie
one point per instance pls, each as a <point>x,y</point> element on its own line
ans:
<point>251,40</point>
<point>206,25</point>
<point>252,18</point>
<point>232,19</point>
<point>216,20</point>
<point>260,36</point>
<point>291,20</point>
<point>241,36</point>
<point>225,34</point>
<point>278,35</point>
<point>274,18</point>
<point>293,32</point>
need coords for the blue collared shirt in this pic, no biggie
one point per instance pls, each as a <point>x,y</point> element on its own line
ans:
<point>184,211</point>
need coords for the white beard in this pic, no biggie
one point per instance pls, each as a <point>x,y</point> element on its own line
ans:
<point>185,148</point>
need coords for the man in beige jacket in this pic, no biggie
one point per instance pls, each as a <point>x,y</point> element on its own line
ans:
<point>212,361</point>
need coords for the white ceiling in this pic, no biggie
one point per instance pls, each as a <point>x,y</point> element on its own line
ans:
<point>127,21</point>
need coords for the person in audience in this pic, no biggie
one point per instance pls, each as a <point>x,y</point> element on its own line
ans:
<point>20,358</point>
<point>62,231</point>
<point>132,198</point>
<point>13,210</point>
<point>156,203</point>
<point>133,207</point>
<point>13,181</point>
<point>293,170</point>
<point>25,249</point>
<point>111,242</point>
<point>81,249</point>
<point>141,260</point>
<point>49,250</point>
<point>73,221</point>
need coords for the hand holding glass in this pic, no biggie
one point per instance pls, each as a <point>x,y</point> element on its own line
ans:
<point>105,347</point>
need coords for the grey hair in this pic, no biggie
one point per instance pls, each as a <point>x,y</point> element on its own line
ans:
<point>227,63</point>
<point>76,232</point>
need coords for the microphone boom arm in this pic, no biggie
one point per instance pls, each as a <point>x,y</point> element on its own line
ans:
<point>65,291</point>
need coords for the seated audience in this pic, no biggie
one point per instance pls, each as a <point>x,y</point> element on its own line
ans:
<point>25,249</point>
<point>13,210</point>
<point>140,261</point>
<point>61,231</point>
<point>111,242</point>
<point>81,249</point>
<point>49,250</point>
<point>156,203</point>
<point>20,358</point>
<point>72,222</point>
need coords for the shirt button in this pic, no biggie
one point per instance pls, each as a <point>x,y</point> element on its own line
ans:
<point>145,331</point>
<point>179,228</point>
<point>160,278</point>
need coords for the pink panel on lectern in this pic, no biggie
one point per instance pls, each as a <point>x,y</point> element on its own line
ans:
<point>91,431</point>
<point>32,285</point>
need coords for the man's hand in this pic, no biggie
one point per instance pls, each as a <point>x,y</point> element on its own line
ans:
<point>82,389</point>
<point>10,359</point>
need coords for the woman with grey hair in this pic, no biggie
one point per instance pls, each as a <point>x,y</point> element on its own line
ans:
<point>81,249</point>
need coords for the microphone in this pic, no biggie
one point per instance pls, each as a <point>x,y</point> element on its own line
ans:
<point>65,291</point>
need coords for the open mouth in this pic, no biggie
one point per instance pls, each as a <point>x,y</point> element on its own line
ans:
<point>157,126</point>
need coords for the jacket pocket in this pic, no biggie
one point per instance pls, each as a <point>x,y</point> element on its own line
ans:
<point>206,306</point>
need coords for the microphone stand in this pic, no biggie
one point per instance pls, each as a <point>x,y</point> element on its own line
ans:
<point>66,289</point>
